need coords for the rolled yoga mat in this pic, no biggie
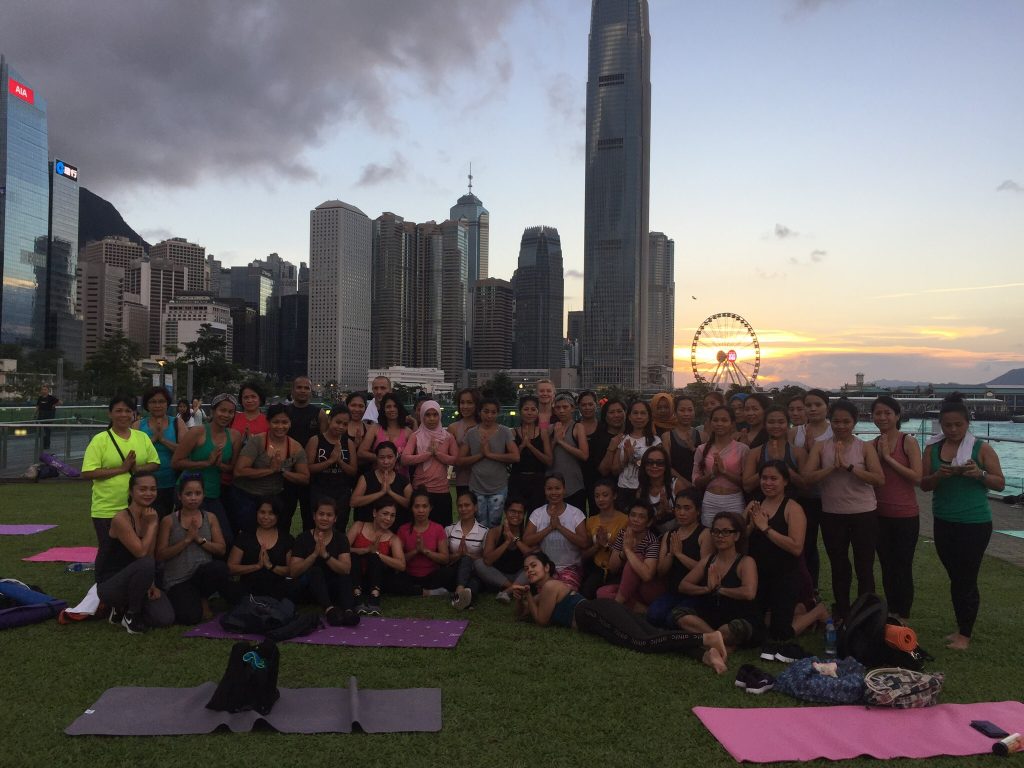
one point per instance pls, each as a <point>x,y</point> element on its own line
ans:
<point>182,711</point>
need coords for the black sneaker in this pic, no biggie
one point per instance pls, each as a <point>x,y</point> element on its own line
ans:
<point>115,616</point>
<point>373,606</point>
<point>133,623</point>
<point>744,674</point>
<point>769,652</point>
<point>349,618</point>
<point>789,652</point>
<point>759,682</point>
<point>362,609</point>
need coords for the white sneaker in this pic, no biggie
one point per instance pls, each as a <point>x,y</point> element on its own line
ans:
<point>504,596</point>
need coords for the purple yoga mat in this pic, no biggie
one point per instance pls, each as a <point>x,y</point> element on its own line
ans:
<point>372,631</point>
<point>768,735</point>
<point>23,530</point>
<point>64,555</point>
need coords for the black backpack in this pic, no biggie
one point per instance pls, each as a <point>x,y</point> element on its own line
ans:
<point>863,637</point>
<point>250,681</point>
<point>267,616</point>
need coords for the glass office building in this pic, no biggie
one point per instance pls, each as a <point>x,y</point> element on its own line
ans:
<point>63,320</point>
<point>615,238</point>
<point>24,202</point>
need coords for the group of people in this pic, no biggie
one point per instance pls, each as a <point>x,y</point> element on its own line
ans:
<point>629,520</point>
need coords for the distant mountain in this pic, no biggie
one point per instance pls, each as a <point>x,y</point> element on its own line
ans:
<point>1014,377</point>
<point>97,219</point>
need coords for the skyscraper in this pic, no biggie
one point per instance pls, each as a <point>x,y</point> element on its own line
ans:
<point>24,199</point>
<point>422,338</point>
<point>391,295</point>
<point>454,287</point>
<point>617,191</point>
<point>659,312</point>
<point>188,255</point>
<point>539,295</point>
<point>340,252</point>
<point>493,303</point>
<point>63,321</point>
<point>478,220</point>
<point>100,300</point>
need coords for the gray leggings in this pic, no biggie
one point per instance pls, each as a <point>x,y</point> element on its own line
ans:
<point>494,578</point>
<point>128,590</point>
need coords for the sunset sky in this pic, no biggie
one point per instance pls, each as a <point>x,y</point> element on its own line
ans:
<point>847,175</point>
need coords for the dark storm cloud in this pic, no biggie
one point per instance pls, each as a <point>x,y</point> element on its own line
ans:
<point>168,92</point>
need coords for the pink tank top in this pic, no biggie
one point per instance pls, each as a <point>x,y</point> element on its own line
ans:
<point>400,441</point>
<point>732,456</point>
<point>842,492</point>
<point>897,497</point>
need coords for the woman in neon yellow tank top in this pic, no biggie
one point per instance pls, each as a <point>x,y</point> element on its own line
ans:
<point>961,471</point>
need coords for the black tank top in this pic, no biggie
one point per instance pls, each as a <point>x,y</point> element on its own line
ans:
<point>731,580</point>
<point>788,459</point>
<point>691,548</point>
<point>772,559</point>
<point>528,462</point>
<point>682,454</point>
<point>332,479</point>
<point>113,556</point>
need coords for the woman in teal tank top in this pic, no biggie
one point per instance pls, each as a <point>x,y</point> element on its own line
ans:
<point>209,451</point>
<point>961,471</point>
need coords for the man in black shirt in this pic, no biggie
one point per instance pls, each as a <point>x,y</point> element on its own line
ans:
<point>306,422</point>
<point>46,410</point>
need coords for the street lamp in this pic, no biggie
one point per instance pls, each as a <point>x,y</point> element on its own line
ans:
<point>161,361</point>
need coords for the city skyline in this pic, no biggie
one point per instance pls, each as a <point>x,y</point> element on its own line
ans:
<point>847,177</point>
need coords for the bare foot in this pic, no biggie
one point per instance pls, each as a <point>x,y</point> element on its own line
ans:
<point>713,659</point>
<point>959,642</point>
<point>951,637</point>
<point>714,641</point>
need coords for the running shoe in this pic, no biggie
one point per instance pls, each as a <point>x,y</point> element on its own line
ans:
<point>362,609</point>
<point>463,599</point>
<point>769,651</point>
<point>789,652</point>
<point>373,606</point>
<point>115,616</point>
<point>504,596</point>
<point>133,623</point>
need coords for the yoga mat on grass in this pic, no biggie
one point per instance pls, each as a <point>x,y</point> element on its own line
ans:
<point>372,631</point>
<point>1015,534</point>
<point>182,711</point>
<point>64,555</point>
<point>768,735</point>
<point>23,530</point>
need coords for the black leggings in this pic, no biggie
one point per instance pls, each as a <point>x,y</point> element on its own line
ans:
<point>812,511</point>
<point>897,540</point>
<point>327,588</point>
<point>777,592</point>
<point>960,547</point>
<point>368,573</point>
<point>187,597</point>
<point>619,626</point>
<point>839,532</point>
<point>440,508</point>
<point>401,583</point>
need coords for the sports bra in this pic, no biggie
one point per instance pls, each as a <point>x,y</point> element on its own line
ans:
<point>562,613</point>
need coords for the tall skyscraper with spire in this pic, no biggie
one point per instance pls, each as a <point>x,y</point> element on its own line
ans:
<point>618,160</point>
<point>478,220</point>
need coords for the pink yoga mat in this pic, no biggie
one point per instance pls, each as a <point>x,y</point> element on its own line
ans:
<point>64,555</point>
<point>372,631</point>
<point>23,530</point>
<point>768,735</point>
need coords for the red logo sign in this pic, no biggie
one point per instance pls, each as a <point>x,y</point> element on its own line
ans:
<point>23,92</point>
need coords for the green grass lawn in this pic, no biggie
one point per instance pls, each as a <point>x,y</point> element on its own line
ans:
<point>513,694</point>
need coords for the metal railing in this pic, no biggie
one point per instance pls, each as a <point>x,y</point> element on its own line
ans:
<point>22,442</point>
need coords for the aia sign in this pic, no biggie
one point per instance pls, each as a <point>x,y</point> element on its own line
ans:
<point>23,92</point>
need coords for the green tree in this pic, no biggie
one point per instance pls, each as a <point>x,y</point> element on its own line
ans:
<point>212,372</point>
<point>616,392</point>
<point>787,393</point>
<point>112,369</point>
<point>501,387</point>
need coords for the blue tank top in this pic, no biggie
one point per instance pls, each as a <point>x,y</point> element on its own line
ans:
<point>165,476</point>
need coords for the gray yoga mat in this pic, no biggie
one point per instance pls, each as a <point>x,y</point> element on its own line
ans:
<point>181,711</point>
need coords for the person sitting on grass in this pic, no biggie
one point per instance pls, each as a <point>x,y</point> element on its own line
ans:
<point>602,528</point>
<point>560,531</point>
<point>549,601</point>
<point>320,558</point>
<point>726,584</point>
<point>191,547</point>
<point>635,556</point>
<point>425,545</point>
<point>502,563</point>
<point>259,558</point>
<point>125,568</point>
<point>465,547</point>
<point>776,527</point>
<point>375,551</point>
<point>680,551</point>
<point>381,481</point>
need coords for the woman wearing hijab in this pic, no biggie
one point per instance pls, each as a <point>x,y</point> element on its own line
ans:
<point>664,413</point>
<point>432,449</point>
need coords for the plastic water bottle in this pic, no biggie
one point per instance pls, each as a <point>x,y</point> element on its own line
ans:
<point>79,567</point>
<point>830,638</point>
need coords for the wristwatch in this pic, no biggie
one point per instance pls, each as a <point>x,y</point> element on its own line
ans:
<point>202,542</point>
<point>849,467</point>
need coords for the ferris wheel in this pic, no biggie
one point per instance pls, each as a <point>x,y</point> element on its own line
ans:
<point>725,350</point>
